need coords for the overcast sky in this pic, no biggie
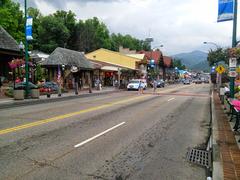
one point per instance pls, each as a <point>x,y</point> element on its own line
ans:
<point>179,25</point>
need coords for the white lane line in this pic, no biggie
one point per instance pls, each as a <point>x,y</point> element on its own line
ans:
<point>171,99</point>
<point>98,135</point>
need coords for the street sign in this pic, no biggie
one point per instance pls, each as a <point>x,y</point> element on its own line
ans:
<point>232,72</point>
<point>233,62</point>
<point>220,69</point>
<point>238,69</point>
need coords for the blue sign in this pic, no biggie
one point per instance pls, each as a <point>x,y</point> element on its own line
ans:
<point>225,10</point>
<point>29,28</point>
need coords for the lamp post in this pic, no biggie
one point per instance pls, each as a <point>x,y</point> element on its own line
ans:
<point>234,43</point>
<point>26,53</point>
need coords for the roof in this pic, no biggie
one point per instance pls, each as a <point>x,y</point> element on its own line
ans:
<point>156,55</point>
<point>7,42</point>
<point>138,56</point>
<point>104,64</point>
<point>167,61</point>
<point>113,58</point>
<point>68,57</point>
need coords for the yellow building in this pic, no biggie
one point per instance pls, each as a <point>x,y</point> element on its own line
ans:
<point>114,58</point>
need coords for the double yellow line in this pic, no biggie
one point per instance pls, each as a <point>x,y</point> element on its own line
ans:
<point>56,118</point>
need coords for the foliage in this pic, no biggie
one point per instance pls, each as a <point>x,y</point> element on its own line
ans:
<point>52,34</point>
<point>215,56</point>
<point>61,29</point>
<point>127,41</point>
<point>11,19</point>
<point>178,63</point>
<point>39,73</point>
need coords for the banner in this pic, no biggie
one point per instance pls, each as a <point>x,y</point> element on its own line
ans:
<point>29,28</point>
<point>225,10</point>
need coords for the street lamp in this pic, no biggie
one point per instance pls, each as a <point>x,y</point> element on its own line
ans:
<point>211,43</point>
<point>26,52</point>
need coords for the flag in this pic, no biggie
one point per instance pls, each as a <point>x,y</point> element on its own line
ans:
<point>225,10</point>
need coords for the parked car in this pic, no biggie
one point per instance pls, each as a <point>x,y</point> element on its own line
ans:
<point>198,81</point>
<point>134,84</point>
<point>186,81</point>
<point>22,85</point>
<point>49,86</point>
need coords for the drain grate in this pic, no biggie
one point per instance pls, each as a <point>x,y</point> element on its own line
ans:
<point>199,157</point>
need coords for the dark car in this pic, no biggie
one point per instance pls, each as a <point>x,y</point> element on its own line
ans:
<point>50,85</point>
<point>186,81</point>
<point>160,83</point>
<point>22,85</point>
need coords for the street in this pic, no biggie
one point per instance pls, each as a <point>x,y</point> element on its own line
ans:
<point>123,135</point>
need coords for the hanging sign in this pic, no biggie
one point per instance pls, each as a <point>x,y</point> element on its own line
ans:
<point>233,62</point>
<point>225,10</point>
<point>74,69</point>
<point>29,23</point>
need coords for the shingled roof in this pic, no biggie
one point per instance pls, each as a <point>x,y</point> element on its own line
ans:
<point>68,57</point>
<point>7,42</point>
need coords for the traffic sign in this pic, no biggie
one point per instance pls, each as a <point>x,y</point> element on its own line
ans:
<point>220,69</point>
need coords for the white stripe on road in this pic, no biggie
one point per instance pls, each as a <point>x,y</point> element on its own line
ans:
<point>98,135</point>
<point>171,99</point>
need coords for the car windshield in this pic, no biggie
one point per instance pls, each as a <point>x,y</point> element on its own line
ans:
<point>134,82</point>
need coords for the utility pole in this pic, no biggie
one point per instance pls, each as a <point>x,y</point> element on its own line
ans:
<point>234,42</point>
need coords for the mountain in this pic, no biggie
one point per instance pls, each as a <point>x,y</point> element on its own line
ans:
<point>196,60</point>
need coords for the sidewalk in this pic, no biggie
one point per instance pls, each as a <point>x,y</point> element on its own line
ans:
<point>226,153</point>
<point>10,102</point>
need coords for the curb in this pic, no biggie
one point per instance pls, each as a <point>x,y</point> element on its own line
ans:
<point>217,170</point>
<point>49,100</point>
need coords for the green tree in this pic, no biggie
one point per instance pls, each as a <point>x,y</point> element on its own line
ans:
<point>215,56</point>
<point>52,34</point>
<point>11,19</point>
<point>178,63</point>
<point>69,20</point>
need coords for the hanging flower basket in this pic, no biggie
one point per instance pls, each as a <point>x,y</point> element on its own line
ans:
<point>15,63</point>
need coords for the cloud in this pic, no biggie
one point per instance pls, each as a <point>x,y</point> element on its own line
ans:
<point>178,25</point>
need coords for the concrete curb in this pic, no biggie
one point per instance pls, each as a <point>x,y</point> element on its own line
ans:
<point>49,100</point>
<point>217,170</point>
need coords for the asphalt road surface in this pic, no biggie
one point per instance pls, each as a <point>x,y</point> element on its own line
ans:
<point>122,135</point>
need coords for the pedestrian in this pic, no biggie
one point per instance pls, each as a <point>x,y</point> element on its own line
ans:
<point>154,85</point>
<point>1,84</point>
<point>140,87</point>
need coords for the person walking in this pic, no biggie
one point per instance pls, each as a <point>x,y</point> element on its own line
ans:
<point>140,87</point>
<point>154,86</point>
<point>1,84</point>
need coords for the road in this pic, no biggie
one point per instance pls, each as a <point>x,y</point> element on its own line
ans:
<point>123,135</point>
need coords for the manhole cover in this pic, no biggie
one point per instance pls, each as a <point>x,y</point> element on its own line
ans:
<point>199,157</point>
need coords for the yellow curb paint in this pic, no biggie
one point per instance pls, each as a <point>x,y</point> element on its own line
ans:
<point>44,121</point>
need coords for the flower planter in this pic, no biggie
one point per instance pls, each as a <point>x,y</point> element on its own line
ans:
<point>35,93</point>
<point>18,94</point>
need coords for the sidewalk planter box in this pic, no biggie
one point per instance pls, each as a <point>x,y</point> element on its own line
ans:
<point>18,94</point>
<point>35,93</point>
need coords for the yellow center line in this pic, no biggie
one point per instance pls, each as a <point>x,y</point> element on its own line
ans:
<point>56,118</point>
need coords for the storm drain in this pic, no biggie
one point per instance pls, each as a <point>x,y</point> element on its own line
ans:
<point>199,157</point>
